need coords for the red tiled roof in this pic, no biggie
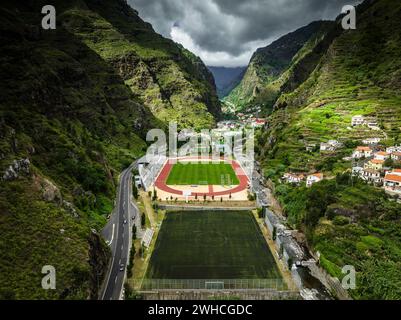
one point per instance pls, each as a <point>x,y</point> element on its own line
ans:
<point>392,177</point>
<point>360,148</point>
<point>377,161</point>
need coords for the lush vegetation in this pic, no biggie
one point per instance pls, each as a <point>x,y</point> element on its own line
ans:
<point>77,102</point>
<point>350,223</point>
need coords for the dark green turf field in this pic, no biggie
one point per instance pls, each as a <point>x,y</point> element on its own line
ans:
<point>202,174</point>
<point>211,245</point>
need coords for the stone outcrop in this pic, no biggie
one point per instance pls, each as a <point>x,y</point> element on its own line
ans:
<point>17,168</point>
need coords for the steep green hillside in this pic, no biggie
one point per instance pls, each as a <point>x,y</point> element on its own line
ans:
<point>346,220</point>
<point>173,83</point>
<point>271,66</point>
<point>75,106</point>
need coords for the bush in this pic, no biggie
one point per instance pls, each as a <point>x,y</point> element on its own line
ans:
<point>341,221</point>
<point>143,220</point>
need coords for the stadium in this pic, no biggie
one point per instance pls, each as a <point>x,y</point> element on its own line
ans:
<point>196,178</point>
<point>216,247</point>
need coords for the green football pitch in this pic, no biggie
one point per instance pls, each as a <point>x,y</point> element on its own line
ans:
<point>211,245</point>
<point>202,174</point>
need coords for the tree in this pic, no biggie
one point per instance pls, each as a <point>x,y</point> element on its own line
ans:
<point>143,219</point>
<point>134,232</point>
<point>204,197</point>
<point>154,195</point>
<point>134,190</point>
<point>389,163</point>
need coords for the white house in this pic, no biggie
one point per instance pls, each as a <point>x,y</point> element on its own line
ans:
<point>357,120</point>
<point>361,152</point>
<point>371,141</point>
<point>357,171</point>
<point>381,155</point>
<point>392,182</point>
<point>396,156</point>
<point>293,178</point>
<point>371,175</point>
<point>313,178</point>
<point>393,149</point>
<point>372,124</point>
<point>330,145</point>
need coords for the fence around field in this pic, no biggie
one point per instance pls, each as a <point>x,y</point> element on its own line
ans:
<point>210,284</point>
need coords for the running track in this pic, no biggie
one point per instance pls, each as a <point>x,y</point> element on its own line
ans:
<point>243,182</point>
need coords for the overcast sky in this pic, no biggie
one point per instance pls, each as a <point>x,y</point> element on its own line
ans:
<point>227,32</point>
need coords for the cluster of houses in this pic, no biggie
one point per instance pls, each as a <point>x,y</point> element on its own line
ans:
<point>251,120</point>
<point>331,145</point>
<point>297,179</point>
<point>369,163</point>
<point>371,167</point>
<point>229,125</point>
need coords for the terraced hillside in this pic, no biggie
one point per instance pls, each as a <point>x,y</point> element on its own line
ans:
<point>362,79</point>
<point>346,220</point>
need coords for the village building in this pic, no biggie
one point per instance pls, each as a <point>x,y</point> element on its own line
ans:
<point>357,171</point>
<point>396,156</point>
<point>293,178</point>
<point>393,149</point>
<point>357,120</point>
<point>313,178</point>
<point>375,164</point>
<point>372,124</point>
<point>371,175</point>
<point>330,145</point>
<point>362,152</point>
<point>371,141</point>
<point>392,182</point>
<point>381,155</point>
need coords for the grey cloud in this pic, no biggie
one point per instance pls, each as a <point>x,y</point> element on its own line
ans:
<point>234,26</point>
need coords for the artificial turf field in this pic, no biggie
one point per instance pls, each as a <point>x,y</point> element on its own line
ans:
<point>202,174</point>
<point>211,245</point>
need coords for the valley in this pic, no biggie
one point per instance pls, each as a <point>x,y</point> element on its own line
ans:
<point>79,191</point>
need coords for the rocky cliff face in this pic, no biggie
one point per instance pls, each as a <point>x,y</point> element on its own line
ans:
<point>261,82</point>
<point>169,80</point>
<point>75,106</point>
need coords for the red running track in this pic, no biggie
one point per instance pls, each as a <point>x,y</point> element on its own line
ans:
<point>243,182</point>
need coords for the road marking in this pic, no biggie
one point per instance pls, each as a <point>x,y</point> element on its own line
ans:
<point>112,235</point>
<point>122,247</point>
<point>119,262</point>
<point>115,281</point>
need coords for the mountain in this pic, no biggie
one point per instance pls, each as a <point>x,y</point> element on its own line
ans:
<point>226,79</point>
<point>261,82</point>
<point>75,106</point>
<point>345,73</point>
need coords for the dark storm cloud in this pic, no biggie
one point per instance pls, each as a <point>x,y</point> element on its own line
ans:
<point>226,32</point>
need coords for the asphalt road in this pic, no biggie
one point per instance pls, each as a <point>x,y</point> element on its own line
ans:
<point>118,235</point>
